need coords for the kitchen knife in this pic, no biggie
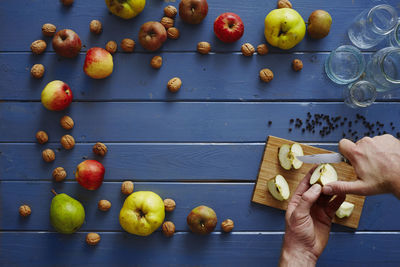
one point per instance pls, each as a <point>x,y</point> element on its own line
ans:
<point>323,158</point>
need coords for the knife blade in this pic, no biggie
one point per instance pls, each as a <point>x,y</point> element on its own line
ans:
<point>323,158</point>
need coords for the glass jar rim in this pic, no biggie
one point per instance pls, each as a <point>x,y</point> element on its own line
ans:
<point>387,77</point>
<point>390,10</point>
<point>367,84</point>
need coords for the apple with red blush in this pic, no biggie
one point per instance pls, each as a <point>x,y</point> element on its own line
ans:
<point>56,95</point>
<point>193,11</point>
<point>90,174</point>
<point>228,27</point>
<point>152,35</point>
<point>98,63</point>
<point>67,43</point>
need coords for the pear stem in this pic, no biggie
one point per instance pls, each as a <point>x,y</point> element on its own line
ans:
<point>54,192</point>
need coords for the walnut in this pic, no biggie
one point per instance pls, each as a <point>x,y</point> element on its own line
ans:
<point>266,75</point>
<point>173,33</point>
<point>169,204</point>
<point>284,3</point>
<point>297,64</point>
<point>167,22</point>
<point>156,62</point>
<point>95,26</point>
<point>104,205</point>
<point>170,11</point>
<point>174,84</point>
<point>48,155</point>
<point>168,228</point>
<point>42,137</point>
<point>37,71</point>
<point>127,187</point>
<point>93,238</point>
<point>248,49</point>
<point>38,47</point>
<point>227,225</point>
<point>100,149</point>
<point>203,48</point>
<point>68,141</point>
<point>24,210</point>
<point>48,29</point>
<point>262,49</point>
<point>59,174</point>
<point>67,2</point>
<point>67,122</point>
<point>128,45</point>
<point>111,47</point>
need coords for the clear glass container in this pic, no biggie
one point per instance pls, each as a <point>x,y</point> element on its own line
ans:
<point>383,69</point>
<point>360,94</point>
<point>345,64</point>
<point>394,37</point>
<point>371,26</point>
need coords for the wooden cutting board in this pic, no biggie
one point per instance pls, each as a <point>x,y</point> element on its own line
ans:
<point>270,167</point>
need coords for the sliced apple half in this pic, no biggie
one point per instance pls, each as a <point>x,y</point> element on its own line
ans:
<point>279,188</point>
<point>345,210</point>
<point>287,156</point>
<point>324,174</point>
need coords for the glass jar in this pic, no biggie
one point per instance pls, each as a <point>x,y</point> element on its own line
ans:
<point>360,94</point>
<point>383,69</point>
<point>370,27</point>
<point>394,37</point>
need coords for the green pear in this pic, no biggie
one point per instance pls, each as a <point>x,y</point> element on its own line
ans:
<point>66,214</point>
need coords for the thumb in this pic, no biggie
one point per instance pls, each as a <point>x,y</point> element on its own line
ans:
<point>347,148</point>
<point>307,200</point>
<point>358,187</point>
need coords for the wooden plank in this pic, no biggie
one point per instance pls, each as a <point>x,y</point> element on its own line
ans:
<point>229,200</point>
<point>120,249</point>
<point>81,13</point>
<point>186,121</point>
<point>270,167</point>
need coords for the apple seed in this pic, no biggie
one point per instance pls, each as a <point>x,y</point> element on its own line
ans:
<point>170,11</point>
<point>49,29</point>
<point>42,137</point>
<point>111,47</point>
<point>67,122</point>
<point>59,174</point>
<point>24,210</point>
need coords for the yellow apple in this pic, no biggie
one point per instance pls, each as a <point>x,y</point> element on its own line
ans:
<point>126,9</point>
<point>142,213</point>
<point>98,63</point>
<point>284,28</point>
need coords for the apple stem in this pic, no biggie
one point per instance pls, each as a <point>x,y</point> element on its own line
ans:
<point>54,192</point>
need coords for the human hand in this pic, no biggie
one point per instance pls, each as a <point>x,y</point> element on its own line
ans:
<point>376,162</point>
<point>308,222</point>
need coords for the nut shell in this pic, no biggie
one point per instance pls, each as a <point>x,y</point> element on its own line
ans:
<point>92,238</point>
<point>203,48</point>
<point>67,122</point>
<point>174,85</point>
<point>169,204</point>
<point>111,47</point>
<point>100,149</point>
<point>24,210</point>
<point>59,174</point>
<point>96,27</point>
<point>284,4</point>
<point>156,62</point>
<point>49,29</point>
<point>227,225</point>
<point>104,205</point>
<point>266,75</point>
<point>173,33</point>
<point>297,64</point>
<point>170,11</point>
<point>128,45</point>
<point>127,187</point>
<point>48,155</point>
<point>38,47</point>
<point>67,2</point>
<point>68,141</point>
<point>42,137</point>
<point>168,228</point>
<point>248,49</point>
<point>37,71</point>
<point>262,49</point>
<point>167,22</point>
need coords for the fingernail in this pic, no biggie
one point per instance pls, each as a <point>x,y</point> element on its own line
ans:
<point>327,190</point>
<point>316,188</point>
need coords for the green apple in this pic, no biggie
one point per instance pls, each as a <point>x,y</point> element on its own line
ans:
<point>288,156</point>
<point>324,174</point>
<point>279,188</point>
<point>284,28</point>
<point>345,210</point>
<point>142,213</point>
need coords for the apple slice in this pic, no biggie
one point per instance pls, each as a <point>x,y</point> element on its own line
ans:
<point>279,188</point>
<point>296,150</point>
<point>324,174</point>
<point>345,209</point>
<point>287,156</point>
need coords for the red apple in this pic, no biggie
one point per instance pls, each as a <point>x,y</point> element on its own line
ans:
<point>67,43</point>
<point>90,174</point>
<point>202,220</point>
<point>98,63</point>
<point>56,95</point>
<point>152,35</point>
<point>228,27</point>
<point>193,11</point>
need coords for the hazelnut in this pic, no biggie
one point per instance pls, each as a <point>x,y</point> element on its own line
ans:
<point>169,204</point>
<point>170,11</point>
<point>174,84</point>
<point>95,26</point>
<point>37,71</point>
<point>67,2</point>
<point>173,33</point>
<point>297,64</point>
<point>59,174</point>
<point>128,45</point>
<point>248,49</point>
<point>100,149</point>
<point>68,141</point>
<point>93,238</point>
<point>227,225</point>
<point>38,47</point>
<point>111,47</point>
<point>104,205</point>
<point>24,210</point>
<point>67,122</point>
<point>48,155</point>
<point>262,49</point>
<point>156,62</point>
<point>168,228</point>
<point>266,75</point>
<point>203,48</point>
<point>284,3</point>
<point>48,29</point>
<point>42,137</point>
<point>127,187</point>
<point>167,22</point>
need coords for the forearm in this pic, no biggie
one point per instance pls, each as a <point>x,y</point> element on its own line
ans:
<point>290,257</point>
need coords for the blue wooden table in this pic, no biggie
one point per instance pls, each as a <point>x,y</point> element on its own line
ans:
<point>202,145</point>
